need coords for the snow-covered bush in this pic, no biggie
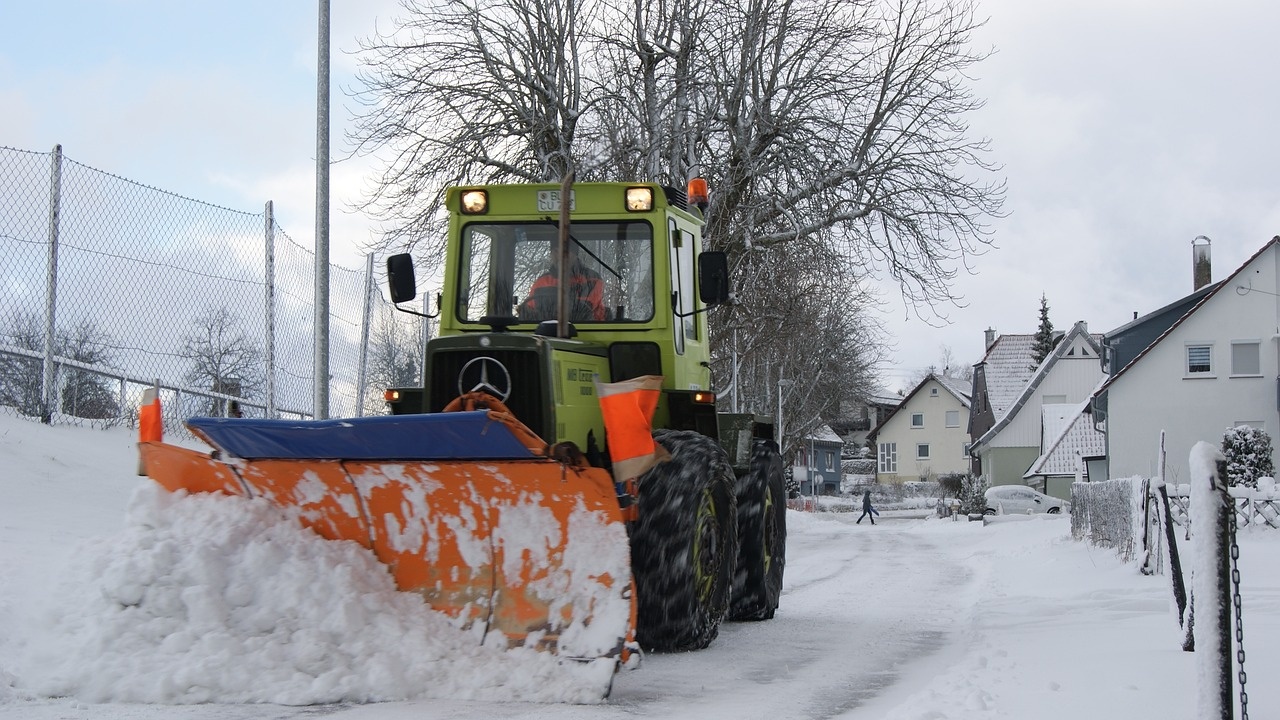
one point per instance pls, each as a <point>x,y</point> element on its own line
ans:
<point>972,495</point>
<point>1108,514</point>
<point>1248,453</point>
<point>859,466</point>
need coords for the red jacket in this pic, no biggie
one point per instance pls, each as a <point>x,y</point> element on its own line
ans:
<point>584,286</point>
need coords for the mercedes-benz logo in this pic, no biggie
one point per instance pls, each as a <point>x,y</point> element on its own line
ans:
<point>488,375</point>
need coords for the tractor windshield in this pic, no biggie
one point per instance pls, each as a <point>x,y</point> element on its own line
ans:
<point>507,270</point>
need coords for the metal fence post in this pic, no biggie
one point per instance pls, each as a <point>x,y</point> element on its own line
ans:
<point>363,367</point>
<point>269,242</point>
<point>1175,562</point>
<point>48,393</point>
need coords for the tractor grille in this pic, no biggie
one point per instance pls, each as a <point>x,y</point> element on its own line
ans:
<point>529,398</point>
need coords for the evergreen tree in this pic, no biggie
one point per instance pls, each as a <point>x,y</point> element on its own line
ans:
<point>1044,336</point>
<point>973,491</point>
<point>1248,453</point>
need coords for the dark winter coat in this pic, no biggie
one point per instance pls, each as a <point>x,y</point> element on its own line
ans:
<point>866,501</point>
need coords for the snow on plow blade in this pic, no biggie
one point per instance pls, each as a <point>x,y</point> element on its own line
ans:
<point>464,508</point>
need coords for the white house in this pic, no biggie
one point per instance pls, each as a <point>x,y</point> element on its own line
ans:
<point>927,435</point>
<point>1213,369</point>
<point>1068,375</point>
<point>1071,447</point>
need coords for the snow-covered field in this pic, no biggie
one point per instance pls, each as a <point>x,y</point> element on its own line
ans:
<point>120,602</point>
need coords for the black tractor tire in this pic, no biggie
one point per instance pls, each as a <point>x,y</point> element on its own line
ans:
<point>685,544</point>
<point>762,535</point>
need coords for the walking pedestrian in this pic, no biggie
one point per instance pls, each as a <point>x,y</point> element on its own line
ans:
<point>867,510</point>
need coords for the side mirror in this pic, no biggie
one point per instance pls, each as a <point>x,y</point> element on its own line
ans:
<point>713,277</point>
<point>400,278</point>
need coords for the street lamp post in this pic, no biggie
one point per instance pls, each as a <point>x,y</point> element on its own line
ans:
<point>783,384</point>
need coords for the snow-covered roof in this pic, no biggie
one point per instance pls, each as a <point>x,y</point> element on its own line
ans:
<point>1070,437</point>
<point>824,433</point>
<point>1008,365</point>
<point>1025,393</point>
<point>886,398</point>
<point>962,389</point>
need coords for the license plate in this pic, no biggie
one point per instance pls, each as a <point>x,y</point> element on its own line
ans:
<point>549,201</point>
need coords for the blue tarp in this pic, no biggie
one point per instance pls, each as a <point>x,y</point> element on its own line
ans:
<point>436,436</point>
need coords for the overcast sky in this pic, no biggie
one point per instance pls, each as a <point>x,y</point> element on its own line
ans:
<point>1125,128</point>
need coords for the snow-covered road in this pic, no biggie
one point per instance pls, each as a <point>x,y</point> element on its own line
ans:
<point>909,619</point>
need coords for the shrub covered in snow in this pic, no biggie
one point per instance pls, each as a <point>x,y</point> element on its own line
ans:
<point>1107,514</point>
<point>972,495</point>
<point>859,466</point>
<point>1248,452</point>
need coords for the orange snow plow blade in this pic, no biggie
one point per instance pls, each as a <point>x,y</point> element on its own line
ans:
<point>529,546</point>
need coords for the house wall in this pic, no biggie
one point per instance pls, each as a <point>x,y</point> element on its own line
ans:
<point>1127,342</point>
<point>1071,378</point>
<point>1006,466</point>
<point>826,468</point>
<point>946,444</point>
<point>1058,486</point>
<point>1156,394</point>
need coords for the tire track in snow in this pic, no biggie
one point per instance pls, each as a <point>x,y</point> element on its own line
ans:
<point>840,638</point>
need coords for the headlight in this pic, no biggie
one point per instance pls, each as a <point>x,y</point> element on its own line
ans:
<point>475,202</point>
<point>639,199</point>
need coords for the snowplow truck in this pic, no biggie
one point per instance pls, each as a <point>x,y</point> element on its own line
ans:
<point>498,489</point>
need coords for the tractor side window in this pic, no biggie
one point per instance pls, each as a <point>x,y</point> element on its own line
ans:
<point>687,294</point>
<point>682,270</point>
<point>678,298</point>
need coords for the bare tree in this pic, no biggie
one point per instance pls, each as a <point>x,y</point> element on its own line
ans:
<point>21,375</point>
<point>808,329</point>
<point>946,366</point>
<point>845,121</point>
<point>84,393</point>
<point>833,134</point>
<point>223,359</point>
<point>469,91</point>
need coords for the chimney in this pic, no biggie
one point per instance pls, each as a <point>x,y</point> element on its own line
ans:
<point>991,338</point>
<point>1201,267</point>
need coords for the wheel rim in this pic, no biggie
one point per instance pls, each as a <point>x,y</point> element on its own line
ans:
<point>706,548</point>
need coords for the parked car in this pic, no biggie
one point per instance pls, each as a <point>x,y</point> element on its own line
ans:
<point>1021,500</point>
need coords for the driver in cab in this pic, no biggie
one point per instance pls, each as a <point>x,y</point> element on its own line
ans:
<point>585,292</point>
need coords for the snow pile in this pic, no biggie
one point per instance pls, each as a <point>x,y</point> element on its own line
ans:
<point>217,599</point>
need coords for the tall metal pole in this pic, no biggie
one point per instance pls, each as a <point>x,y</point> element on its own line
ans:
<point>320,399</point>
<point>362,375</point>
<point>48,397</point>
<point>269,269</point>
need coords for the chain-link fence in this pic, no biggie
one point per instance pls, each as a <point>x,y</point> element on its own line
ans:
<point>108,286</point>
